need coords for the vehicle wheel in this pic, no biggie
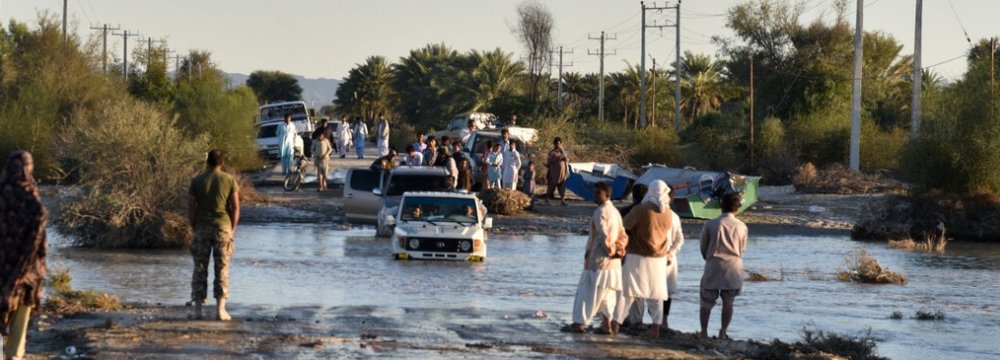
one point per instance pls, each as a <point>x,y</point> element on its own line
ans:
<point>293,181</point>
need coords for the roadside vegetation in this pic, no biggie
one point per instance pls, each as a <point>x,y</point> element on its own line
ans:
<point>130,146</point>
<point>62,299</point>
<point>818,344</point>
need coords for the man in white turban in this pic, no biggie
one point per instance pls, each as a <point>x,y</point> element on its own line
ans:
<point>652,228</point>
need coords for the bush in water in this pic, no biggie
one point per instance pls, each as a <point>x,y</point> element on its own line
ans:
<point>864,268</point>
<point>134,166</point>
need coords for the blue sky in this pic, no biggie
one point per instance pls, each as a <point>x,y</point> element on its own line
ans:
<point>325,38</point>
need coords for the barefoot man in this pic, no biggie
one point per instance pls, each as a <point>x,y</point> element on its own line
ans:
<point>602,265</point>
<point>652,229</point>
<point>214,211</point>
<point>723,241</point>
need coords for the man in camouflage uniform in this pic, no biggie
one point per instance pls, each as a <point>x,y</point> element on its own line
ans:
<point>214,211</point>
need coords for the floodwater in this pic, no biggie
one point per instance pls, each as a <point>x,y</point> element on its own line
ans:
<point>279,266</point>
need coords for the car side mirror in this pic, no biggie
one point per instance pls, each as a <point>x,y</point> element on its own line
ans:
<point>390,220</point>
<point>488,223</point>
<point>377,191</point>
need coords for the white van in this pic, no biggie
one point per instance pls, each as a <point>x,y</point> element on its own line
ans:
<point>272,115</point>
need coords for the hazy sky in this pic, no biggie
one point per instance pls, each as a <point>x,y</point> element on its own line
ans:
<point>325,38</point>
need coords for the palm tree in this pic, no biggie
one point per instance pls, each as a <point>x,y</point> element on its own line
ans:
<point>429,85</point>
<point>493,76</point>
<point>702,84</point>
<point>367,89</point>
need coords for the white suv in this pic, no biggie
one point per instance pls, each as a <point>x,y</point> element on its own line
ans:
<point>440,226</point>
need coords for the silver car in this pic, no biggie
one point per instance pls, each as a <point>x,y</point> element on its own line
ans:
<point>370,196</point>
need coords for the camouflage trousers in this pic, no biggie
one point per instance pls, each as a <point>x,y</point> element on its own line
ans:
<point>209,241</point>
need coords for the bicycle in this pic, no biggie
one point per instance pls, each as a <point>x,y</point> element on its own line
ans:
<point>297,174</point>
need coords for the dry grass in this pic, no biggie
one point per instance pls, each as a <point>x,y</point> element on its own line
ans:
<point>248,193</point>
<point>864,268</point>
<point>928,315</point>
<point>930,243</point>
<point>818,344</point>
<point>505,202</point>
<point>64,300</point>
<point>756,276</point>
<point>838,179</point>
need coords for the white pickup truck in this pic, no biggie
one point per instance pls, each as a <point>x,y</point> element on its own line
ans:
<point>370,196</point>
<point>440,226</point>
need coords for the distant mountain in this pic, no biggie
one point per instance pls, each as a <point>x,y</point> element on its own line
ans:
<point>315,92</point>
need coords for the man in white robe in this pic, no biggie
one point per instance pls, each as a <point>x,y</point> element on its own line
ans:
<point>286,146</point>
<point>511,165</point>
<point>344,137</point>
<point>382,136</point>
<point>601,279</point>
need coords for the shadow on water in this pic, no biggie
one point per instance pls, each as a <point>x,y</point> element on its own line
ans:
<point>281,266</point>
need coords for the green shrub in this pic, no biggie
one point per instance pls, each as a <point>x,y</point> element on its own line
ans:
<point>882,149</point>
<point>205,104</point>
<point>134,166</point>
<point>656,146</point>
<point>716,141</point>
<point>775,158</point>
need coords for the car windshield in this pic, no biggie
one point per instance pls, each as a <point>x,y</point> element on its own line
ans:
<point>271,113</point>
<point>404,183</point>
<point>436,209</point>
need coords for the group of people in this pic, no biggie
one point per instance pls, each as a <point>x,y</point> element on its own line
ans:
<point>429,151</point>
<point>630,262</point>
<point>330,139</point>
<point>502,163</point>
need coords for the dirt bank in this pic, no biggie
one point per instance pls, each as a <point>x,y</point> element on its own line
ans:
<point>148,331</point>
<point>780,211</point>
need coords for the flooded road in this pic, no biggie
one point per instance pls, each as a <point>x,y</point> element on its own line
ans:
<point>351,274</point>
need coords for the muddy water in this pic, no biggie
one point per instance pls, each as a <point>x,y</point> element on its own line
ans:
<point>309,265</point>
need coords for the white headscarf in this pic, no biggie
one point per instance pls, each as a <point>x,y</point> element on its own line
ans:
<point>658,194</point>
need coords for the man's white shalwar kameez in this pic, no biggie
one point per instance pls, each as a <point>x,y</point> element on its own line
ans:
<point>511,165</point>
<point>602,275</point>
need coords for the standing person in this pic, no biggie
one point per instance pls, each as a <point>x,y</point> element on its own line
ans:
<point>214,213</point>
<point>558,172</point>
<point>495,162</point>
<point>385,163</point>
<point>602,267</point>
<point>446,142</point>
<point>464,178</point>
<point>513,120</point>
<point>465,134</point>
<point>485,171</point>
<point>511,166</point>
<point>23,246</point>
<point>448,162</point>
<point>430,153</point>
<point>286,148</point>
<point>634,319</point>
<point>505,140</point>
<point>321,155</point>
<point>382,136</point>
<point>528,180</point>
<point>723,242</point>
<point>420,145</point>
<point>644,274</point>
<point>413,157</point>
<point>360,136</point>
<point>345,134</point>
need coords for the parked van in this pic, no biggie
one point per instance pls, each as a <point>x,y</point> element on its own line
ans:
<point>272,115</point>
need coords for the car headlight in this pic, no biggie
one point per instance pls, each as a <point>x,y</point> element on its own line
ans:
<point>414,244</point>
<point>465,245</point>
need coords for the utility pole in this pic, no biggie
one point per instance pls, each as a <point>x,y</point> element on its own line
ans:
<point>642,59</point>
<point>177,65</point>
<point>125,35</point>
<point>652,120</point>
<point>149,50</point>
<point>64,32</point>
<point>104,43</point>
<point>751,112</point>
<point>918,72</point>
<point>679,69</point>
<point>601,54</point>
<point>855,157</point>
<point>561,65</point>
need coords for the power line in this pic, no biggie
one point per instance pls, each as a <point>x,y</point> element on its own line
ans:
<point>960,24</point>
<point>104,43</point>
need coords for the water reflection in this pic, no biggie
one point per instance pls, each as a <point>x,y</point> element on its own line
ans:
<point>313,265</point>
